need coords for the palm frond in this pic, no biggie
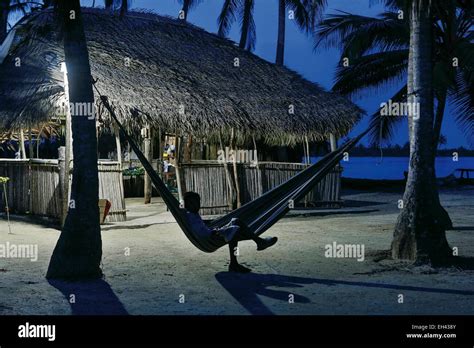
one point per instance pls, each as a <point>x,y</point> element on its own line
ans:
<point>227,16</point>
<point>385,126</point>
<point>371,71</point>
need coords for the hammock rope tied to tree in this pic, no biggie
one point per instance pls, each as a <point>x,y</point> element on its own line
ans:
<point>259,214</point>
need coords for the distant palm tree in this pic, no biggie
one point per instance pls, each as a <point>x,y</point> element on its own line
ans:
<point>244,9</point>
<point>305,13</point>
<point>78,251</point>
<point>187,6</point>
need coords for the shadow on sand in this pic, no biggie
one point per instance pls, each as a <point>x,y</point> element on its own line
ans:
<point>246,288</point>
<point>93,297</point>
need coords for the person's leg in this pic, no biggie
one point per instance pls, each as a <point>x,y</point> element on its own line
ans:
<point>234,265</point>
<point>245,234</point>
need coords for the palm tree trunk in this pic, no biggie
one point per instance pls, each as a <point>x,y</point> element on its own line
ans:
<point>123,8</point>
<point>4,5</point>
<point>418,234</point>
<point>245,24</point>
<point>185,9</point>
<point>78,251</point>
<point>280,52</point>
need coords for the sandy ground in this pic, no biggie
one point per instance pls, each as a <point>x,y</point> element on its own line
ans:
<point>163,265</point>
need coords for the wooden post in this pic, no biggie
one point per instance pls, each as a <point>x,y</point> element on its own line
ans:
<point>30,143</point>
<point>149,157</point>
<point>178,168</point>
<point>63,182</point>
<point>118,146</point>
<point>333,142</point>
<point>160,153</point>
<point>22,144</point>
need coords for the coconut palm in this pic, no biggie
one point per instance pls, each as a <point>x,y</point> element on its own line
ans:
<point>244,10</point>
<point>418,234</point>
<point>78,251</point>
<point>378,52</point>
<point>305,13</point>
<point>188,5</point>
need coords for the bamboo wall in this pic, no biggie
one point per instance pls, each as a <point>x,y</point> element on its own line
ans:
<point>208,179</point>
<point>34,187</point>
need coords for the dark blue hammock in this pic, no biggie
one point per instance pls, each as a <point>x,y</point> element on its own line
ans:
<point>259,214</point>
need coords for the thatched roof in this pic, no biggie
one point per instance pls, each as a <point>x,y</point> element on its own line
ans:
<point>172,65</point>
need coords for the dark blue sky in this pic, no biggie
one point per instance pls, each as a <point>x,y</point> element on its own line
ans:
<point>318,66</point>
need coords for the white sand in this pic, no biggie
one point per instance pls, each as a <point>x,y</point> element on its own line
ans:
<point>163,264</point>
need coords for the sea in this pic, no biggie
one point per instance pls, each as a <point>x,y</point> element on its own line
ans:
<point>393,167</point>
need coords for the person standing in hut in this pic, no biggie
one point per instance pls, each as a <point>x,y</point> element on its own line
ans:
<point>236,230</point>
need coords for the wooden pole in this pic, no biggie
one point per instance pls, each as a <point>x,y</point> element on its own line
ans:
<point>178,168</point>
<point>22,144</point>
<point>149,157</point>
<point>333,142</point>
<point>30,143</point>
<point>234,164</point>
<point>118,145</point>
<point>63,182</point>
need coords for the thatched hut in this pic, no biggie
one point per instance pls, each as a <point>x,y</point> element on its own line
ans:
<point>171,76</point>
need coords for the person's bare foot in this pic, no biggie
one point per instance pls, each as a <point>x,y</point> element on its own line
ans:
<point>235,267</point>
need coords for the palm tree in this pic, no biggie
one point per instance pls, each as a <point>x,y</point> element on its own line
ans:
<point>227,17</point>
<point>78,251</point>
<point>418,233</point>
<point>378,52</point>
<point>187,6</point>
<point>306,13</point>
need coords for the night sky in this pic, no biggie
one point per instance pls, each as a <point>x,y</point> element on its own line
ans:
<point>318,66</point>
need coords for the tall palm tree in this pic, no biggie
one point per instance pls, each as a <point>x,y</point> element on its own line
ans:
<point>188,5</point>
<point>378,50</point>
<point>78,251</point>
<point>418,234</point>
<point>306,13</point>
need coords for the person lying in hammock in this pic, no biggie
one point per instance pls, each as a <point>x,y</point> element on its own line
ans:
<point>235,231</point>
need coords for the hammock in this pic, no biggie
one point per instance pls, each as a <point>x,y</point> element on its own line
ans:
<point>259,214</point>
